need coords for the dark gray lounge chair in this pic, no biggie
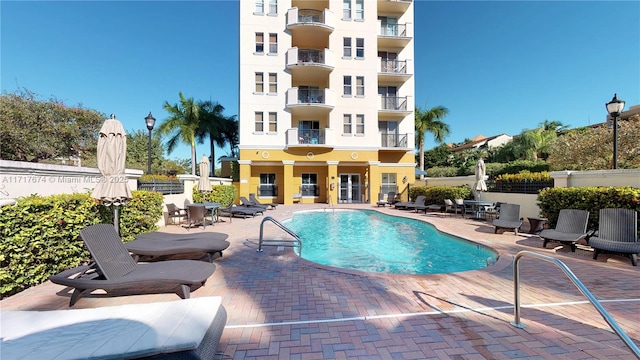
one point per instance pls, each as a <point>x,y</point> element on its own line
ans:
<point>114,270</point>
<point>248,203</point>
<point>408,205</point>
<point>391,199</point>
<point>617,233</point>
<point>509,218</point>
<point>241,211</point>
<point>254,201</point>
<point>571,227</point>
<point>152,246</point>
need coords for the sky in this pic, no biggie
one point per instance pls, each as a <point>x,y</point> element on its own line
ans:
<point>498,66</point>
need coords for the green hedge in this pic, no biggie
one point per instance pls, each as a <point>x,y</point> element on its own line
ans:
<point>437,194</point>
<point>40,234</point>
<point>592,199</point>
<point>223,194</point>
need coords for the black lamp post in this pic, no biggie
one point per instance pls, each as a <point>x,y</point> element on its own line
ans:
<point>150,121</point>
<point>614,108</point>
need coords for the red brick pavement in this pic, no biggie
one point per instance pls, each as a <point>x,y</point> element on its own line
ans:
<point>281,306</point>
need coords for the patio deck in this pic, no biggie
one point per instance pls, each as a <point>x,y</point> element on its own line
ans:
<point>280,306</point>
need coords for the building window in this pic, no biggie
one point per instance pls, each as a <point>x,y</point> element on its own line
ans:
<point>273,122</point>
<point>359,85</point>
<point>309,185</point>
<point>260,42</point>
<point>273,7</point>
<point>346,52</point>
<point>388,184</point>
<point>346,124</point>
<point>347,85</point>
<point>346,9</point>
<point>259,6</point>
<point>359,47</point>
<point>273,83</point>
<point>360,124</point>
<point>309,132</point>
<point>268,185</point>
<point>259,121</point>
<point>273,43</point>
<point>359,9</point>
<point>259,82</point>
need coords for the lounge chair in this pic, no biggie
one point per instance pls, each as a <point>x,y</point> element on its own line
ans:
<point>381,201</point>
<point>114,270</point>
<point>248,203</point>
<point>241,211</point>
<point>571,227</point>
<point>174,212</point>
<point>155,245</point>
<point>617,233</point>
<point>391,199</point>
<point>509,218</point>
<point>183,329</point>
<point>254,201</point>
<point>408,205</point>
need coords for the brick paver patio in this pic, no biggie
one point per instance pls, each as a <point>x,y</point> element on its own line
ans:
<point>281,306</point>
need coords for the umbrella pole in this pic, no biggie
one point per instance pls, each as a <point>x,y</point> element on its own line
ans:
<point>116,219</point>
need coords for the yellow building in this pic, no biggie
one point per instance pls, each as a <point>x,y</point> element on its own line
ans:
<point>326,109</point>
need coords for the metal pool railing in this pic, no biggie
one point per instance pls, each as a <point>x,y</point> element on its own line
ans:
<point>583,289</point>
<point>278,242</point>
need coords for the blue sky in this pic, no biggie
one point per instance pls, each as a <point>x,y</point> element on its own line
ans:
<point>498,66</point>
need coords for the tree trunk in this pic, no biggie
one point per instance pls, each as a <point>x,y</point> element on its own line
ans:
<point>212,168</point>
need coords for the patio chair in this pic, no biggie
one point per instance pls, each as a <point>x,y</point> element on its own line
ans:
<point>464,208</point>
<point>493,211</point>
<point>617,233</point>
<point>114,270</point>
<point>248,203</point>
<point>196,216</point>
<point>254,201</point>
<point>571,227</point>
<point>174,212</point>
<point>450,207</point>
<point>509,218</point>
<point>156,245</point>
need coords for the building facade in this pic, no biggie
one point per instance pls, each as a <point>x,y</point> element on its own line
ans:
<point>326,109</point>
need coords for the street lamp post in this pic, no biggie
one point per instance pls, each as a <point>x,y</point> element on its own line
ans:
<point>614,108</point>
<point>150,121</point>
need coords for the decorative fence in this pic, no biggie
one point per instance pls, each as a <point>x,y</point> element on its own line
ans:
<point>523,187</point>
<point>168,187</point>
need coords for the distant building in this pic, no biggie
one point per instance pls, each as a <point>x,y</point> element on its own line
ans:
<point>482,141</point>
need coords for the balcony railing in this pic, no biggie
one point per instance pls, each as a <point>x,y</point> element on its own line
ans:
<point>310,96</point>
<point>394,30</point>
<point>311,56</point>
<point>392,140</point>
<point>307,16</point>
<point>268,190</point>
<point>394,103</point>
<point>310,190</point>
<point>394,66</point>
<point>311,137</point>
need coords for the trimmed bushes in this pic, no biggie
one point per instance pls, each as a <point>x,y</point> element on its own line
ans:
<point>437,194</point>
<point>592,199</point>
<point>223,194</point>
<point>40,235</point>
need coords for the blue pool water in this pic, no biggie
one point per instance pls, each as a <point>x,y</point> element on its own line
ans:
<point>370,241</point>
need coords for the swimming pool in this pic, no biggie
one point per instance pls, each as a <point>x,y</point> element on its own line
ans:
<point>370,241</point>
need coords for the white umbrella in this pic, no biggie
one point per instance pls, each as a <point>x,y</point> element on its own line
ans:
<point>113,187</point>
<point>203,183</point>
<point>480,184</point>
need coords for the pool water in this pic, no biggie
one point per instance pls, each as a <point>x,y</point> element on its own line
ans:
<point>370,241</point>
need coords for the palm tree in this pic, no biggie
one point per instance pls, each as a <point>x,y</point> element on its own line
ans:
<point>231,134</point>
<point>181,125</point>
<point>430,120</point>
<point>211,126</point>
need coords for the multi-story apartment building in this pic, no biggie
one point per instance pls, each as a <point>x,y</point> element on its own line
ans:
<point>326,107</point>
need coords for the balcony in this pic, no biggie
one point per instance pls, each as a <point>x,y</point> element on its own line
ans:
<point>395,106</point>
<point>316,138</point>
<point>394,35</point>
<point>310,65</point>
<point>310,102</point>
<point>310,24</point>
<point>393,6</point>
<point>393,141</point>
<point>393,71</point>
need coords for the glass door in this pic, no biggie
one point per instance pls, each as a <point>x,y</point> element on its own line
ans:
<point>349,188</point>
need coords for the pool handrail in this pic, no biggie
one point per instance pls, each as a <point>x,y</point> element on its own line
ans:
<point>583,289</point>
<point>282,242</point>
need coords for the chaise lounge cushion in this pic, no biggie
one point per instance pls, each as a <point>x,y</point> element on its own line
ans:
<point>165,244</point>
<point>190,328</point>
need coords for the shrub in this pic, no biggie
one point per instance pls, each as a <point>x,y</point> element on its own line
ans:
<point>437,194</point>
<point>592,199</point>
<point>518,166</point>
<point>525,176</point>
<point>439,171</point>
<point>222,194</point>
<point>141,214</point>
